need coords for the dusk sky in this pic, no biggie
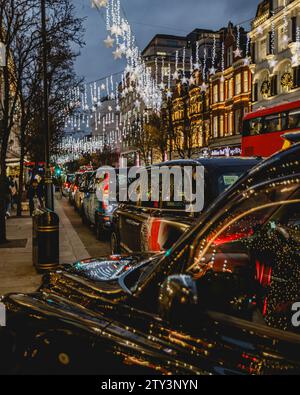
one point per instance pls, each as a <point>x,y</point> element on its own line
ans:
<point>149,17</point>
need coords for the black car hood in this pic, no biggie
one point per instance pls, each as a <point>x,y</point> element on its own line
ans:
<point>95,278</point>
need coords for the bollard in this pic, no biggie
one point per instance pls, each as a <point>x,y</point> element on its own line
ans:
<point>45,240</point>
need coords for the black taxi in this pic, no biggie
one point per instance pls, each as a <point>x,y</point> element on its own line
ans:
<point>156,225</point>
<point>224,299</point>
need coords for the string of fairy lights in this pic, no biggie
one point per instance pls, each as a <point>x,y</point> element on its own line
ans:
<point>96,105</point>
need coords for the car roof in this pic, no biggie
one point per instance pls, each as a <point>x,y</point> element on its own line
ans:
<point>281,165</point>
<point>213,162</point>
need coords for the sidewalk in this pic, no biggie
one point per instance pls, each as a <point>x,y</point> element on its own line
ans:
<point>17,273</point>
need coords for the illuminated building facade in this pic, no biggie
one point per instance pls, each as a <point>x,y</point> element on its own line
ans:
<point>275,53</point>
<point>230,93</point>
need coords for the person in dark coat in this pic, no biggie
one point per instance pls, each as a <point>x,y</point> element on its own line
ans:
<point>35,195</point>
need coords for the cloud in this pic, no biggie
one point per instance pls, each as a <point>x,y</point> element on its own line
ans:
<point>149,17</point>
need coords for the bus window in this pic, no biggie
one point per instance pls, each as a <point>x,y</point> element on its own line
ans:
<point>253,127</point>
<point>272,123</point>
<point>294,119</point>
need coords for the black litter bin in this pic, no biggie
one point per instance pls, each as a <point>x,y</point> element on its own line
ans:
<point>45,240</point>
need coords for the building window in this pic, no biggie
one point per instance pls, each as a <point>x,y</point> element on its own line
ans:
<point>229,56</point>
<point>229,123</point>
<point>246,81</point>
<point>263,49</point>
<point>216,98</point>
<point>221,91</point>
<point>215,127</point>
<point>294,29</point>
<point>296,72</point>
<point>237,122</point>
<point>230,88</point>
<point>270,39</point>
<point>274,85</point>
<point>221,126</point>
<point>238,84</point>
<point>253,52</point>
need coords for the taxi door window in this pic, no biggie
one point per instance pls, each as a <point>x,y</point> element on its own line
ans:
<point>258,239</point>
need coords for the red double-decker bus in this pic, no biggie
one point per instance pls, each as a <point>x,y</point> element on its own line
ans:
<point>262,129</point>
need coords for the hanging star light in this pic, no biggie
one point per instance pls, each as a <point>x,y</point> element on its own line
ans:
<point>109,42</point>
<point>197,65</point>
<point>145,84</point>
<point>192,80</point>
<point>162,86</point>
<point>297,46</point>
<point>114,29</point>
<point>204,87</point>
<point>175,75</point>
<point>102,3</point>
<point>212,70</point>
<point>117,54</point>
<point>123,48</point>
<point>238,51</point>
<point>129,53</point>
<point>222,79</point>
<point>184,80</point>
<point>285,38</point>
<point>125,27</point>
<point>272,61</point>
<point>169,94</point>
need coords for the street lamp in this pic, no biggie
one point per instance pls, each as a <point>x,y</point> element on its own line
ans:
<point>48,177</point>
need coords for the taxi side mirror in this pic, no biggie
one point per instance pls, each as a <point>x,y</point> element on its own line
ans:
<point>177,298</point>
<point>182,300</point>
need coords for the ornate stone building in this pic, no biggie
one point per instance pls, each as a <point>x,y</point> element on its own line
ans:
<point>275,53</point>
<point>199,113</point>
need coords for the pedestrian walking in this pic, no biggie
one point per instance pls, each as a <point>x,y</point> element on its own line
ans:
<point>35,195</point>
<point>14,192</point>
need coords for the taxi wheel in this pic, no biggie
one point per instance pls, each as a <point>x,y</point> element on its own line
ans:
<point>114,244</point>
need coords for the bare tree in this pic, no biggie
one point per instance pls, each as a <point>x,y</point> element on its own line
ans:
<point>18,34</point>
<point>158,135</point>
<point>21,104</point>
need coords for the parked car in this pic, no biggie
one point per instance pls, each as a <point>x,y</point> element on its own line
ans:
<point>69,178</point>
<point>74,186</point>
<point>155,226</point>
<point>80,191</point>
<point>95,211</point>
<point>219,301</point>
